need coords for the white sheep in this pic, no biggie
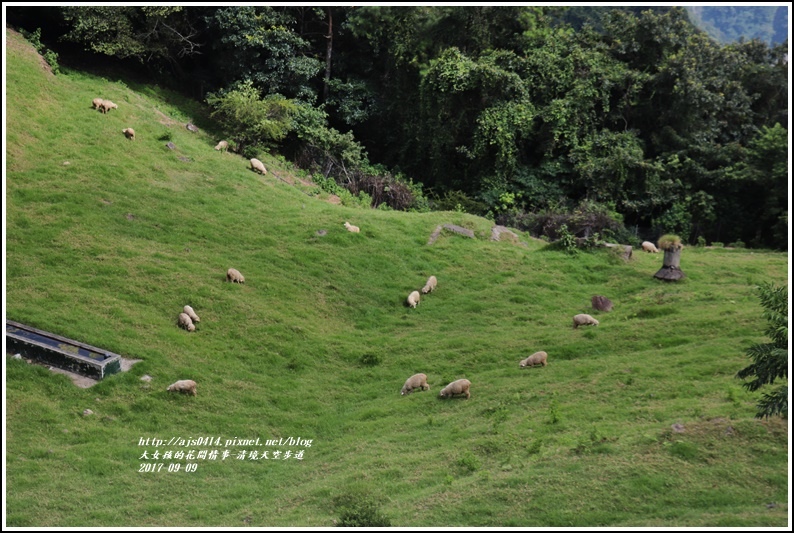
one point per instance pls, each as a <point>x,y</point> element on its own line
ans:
<point>187,386</point>
<point>649,247</point>
<point>584,320</point>
<point>192,314</point>
<point>184,321</point>
<point>107,105</point>
<point>223,145</point>
<point>430,285</point>
<point>258,166</point>
<point>234,276</point>
<point>97,102</point>
<point>417,381</point>
<point>413,299</point>
<point>351,227</point>
<point>460,386</point>
<point>129,133</point>
<point>537,358</point>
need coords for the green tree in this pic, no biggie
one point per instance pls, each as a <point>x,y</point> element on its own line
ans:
<point>260,44</point>
<point>250,119</point>
<point>770,360</point>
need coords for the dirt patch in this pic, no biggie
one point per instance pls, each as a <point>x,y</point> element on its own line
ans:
<point>16,41</point>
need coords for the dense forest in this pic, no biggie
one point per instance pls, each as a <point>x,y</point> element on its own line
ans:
<point>616,123</point>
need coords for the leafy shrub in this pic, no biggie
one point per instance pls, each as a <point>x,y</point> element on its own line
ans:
<point>49,56</point>
<point>716,244</point>
<point>737,244</point>
<point>701,242</point>
<point>469,462</point>
<point>250,119</point>
<point>359,509</point>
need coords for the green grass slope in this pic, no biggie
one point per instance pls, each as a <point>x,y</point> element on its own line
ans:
<point>314,348</point>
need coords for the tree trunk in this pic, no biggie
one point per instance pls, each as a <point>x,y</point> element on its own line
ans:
<point>328,52</point>
<point>671,271</point>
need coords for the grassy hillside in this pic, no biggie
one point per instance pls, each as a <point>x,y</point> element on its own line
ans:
<point>317,343</point>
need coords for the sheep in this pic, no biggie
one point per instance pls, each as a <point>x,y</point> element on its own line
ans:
<point>413,299</point>
<point>187,386</point>
<point>234,276</point>
<point>129,132</point>
<point>97,103</point>
<point>258,166</point>
<point>350,227</point>
<point>184,321</point>
<point>430,285</point>
<point>584,320</point>
<point>223,145</point>
<point>650,247</point>
<point>417,381</point>
<point>192,314</point>
<point>460,386</point>
<point>537,358</point>
<point>107,105</point>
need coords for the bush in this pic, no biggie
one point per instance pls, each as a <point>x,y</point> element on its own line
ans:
<point>49,56</point>
<point>737,244</point>
<point>359,509</point>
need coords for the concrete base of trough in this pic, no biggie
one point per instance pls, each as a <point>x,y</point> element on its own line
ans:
<point>65,355</point>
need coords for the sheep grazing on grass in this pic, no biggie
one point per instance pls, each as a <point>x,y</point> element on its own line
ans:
<point>650,247</point>
<point>192,314</point>
<point>258,166</point>
<point>350,227</point>
<point>186,386</point>
<point>107,105</point>
<point>234,276</point>
<point>430,285</point>
<point>413,299</point>
<point>584,320</point>
<point>129,132</point>
<point>460,386</point>
<point>223,145</point>
<point>537,358</point>
<point>97,103</point>
<point>417,381</point>
<point>184,321</point>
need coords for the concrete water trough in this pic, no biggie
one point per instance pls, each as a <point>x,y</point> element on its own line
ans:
<point>60,352</point>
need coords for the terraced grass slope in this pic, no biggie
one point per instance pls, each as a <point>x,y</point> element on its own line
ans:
<point>636,422</point>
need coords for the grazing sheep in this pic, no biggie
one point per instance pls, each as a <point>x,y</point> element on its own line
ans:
<point>460,386</point>
<point>258,166</point>
<point>650,247</point>
<point>185,322</point>
<point>430,285</point>
<point>234,276</point>
<point>351,227</point>
<point>97,102</point>
<point>107,105</point>
<point>129,132</point>
<point>417,381</point>
<point>413,299</point>
<point>223,145</point>
<point>192,314</point>
<point>187,386</point>
<point>537,358</point>
<point>584,320</point>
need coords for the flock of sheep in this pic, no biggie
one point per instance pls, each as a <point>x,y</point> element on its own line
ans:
<point>188,319</point>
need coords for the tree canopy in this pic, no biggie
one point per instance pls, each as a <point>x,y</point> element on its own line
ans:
<point>515,111</point>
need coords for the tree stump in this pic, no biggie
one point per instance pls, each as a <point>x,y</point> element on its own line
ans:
<point>601,303</point>
<point>671,271</point>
